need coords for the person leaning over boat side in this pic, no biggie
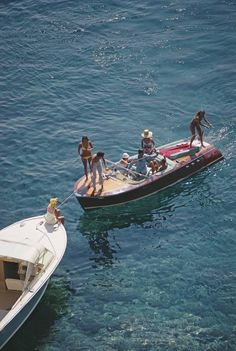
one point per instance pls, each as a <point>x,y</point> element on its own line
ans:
<point>53,214</point>
<point>196,124</point>
<point>147,143</point>
<point>96,166</point>
<point>85,151</point>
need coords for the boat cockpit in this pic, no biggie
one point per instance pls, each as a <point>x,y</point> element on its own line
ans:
<point>20,272</point>
<point>130,175</point>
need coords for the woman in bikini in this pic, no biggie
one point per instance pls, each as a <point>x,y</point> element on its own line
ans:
<point>196,124</point>
<point>85,151</point>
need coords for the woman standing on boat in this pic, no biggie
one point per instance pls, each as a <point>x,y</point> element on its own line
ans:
<point>196,123</point>
<point>85,151</point>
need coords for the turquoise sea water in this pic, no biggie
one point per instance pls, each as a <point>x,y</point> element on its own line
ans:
<point>159,273</point>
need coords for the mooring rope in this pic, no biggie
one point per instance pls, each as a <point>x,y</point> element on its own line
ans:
<point>66,199</point>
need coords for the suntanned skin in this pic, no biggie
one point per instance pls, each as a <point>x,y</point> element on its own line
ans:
<point>196,124</point>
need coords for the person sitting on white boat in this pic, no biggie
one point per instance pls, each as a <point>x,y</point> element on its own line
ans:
<point>53,214</point>
<point>138,163</point>
<point>147,143</point>
<point>97,166</point>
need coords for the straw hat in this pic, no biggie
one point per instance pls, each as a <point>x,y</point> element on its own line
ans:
<point>146,133</point>
<point>125,155</point>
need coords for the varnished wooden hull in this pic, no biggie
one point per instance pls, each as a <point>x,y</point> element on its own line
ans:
<point>114,194</point>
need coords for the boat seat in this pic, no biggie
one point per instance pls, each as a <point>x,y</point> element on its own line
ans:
<point>14,284</point>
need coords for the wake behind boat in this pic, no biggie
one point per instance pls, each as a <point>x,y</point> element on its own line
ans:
<point>30,251</point>
<point>119,187</point>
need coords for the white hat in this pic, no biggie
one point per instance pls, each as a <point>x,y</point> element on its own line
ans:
<point>125,155</point>
<point>146,133</point>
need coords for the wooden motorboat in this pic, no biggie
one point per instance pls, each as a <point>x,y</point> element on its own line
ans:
<point>123,186</point>
<point>30,251</point>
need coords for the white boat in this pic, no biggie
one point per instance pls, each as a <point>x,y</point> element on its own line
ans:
<point>30,251</point>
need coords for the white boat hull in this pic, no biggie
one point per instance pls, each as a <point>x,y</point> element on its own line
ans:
<point>34,244</point>
<point>12,327</point>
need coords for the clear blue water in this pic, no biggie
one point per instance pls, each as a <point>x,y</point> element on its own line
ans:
<point>159,273</point>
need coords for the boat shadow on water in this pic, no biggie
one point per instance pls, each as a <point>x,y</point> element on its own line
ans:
<point>52,307</point>
<point>98,226</point>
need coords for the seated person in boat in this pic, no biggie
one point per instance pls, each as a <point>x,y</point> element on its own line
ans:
<point>147,143</point>
<point>138,164</point>
<point>163,164</point>
<point>158,166</point>
<point>53,214</point>
<point>154,164</point>
<point>124,160</point>
<point>123,163</point>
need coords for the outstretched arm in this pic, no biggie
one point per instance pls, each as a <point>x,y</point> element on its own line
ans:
<point>209,125</point>
<point>204,125</point>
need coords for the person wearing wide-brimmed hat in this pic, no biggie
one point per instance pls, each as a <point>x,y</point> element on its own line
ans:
<point>147,143</point>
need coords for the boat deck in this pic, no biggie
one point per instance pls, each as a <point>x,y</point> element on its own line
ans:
<point>7,300</point>
<point>111,184</point>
